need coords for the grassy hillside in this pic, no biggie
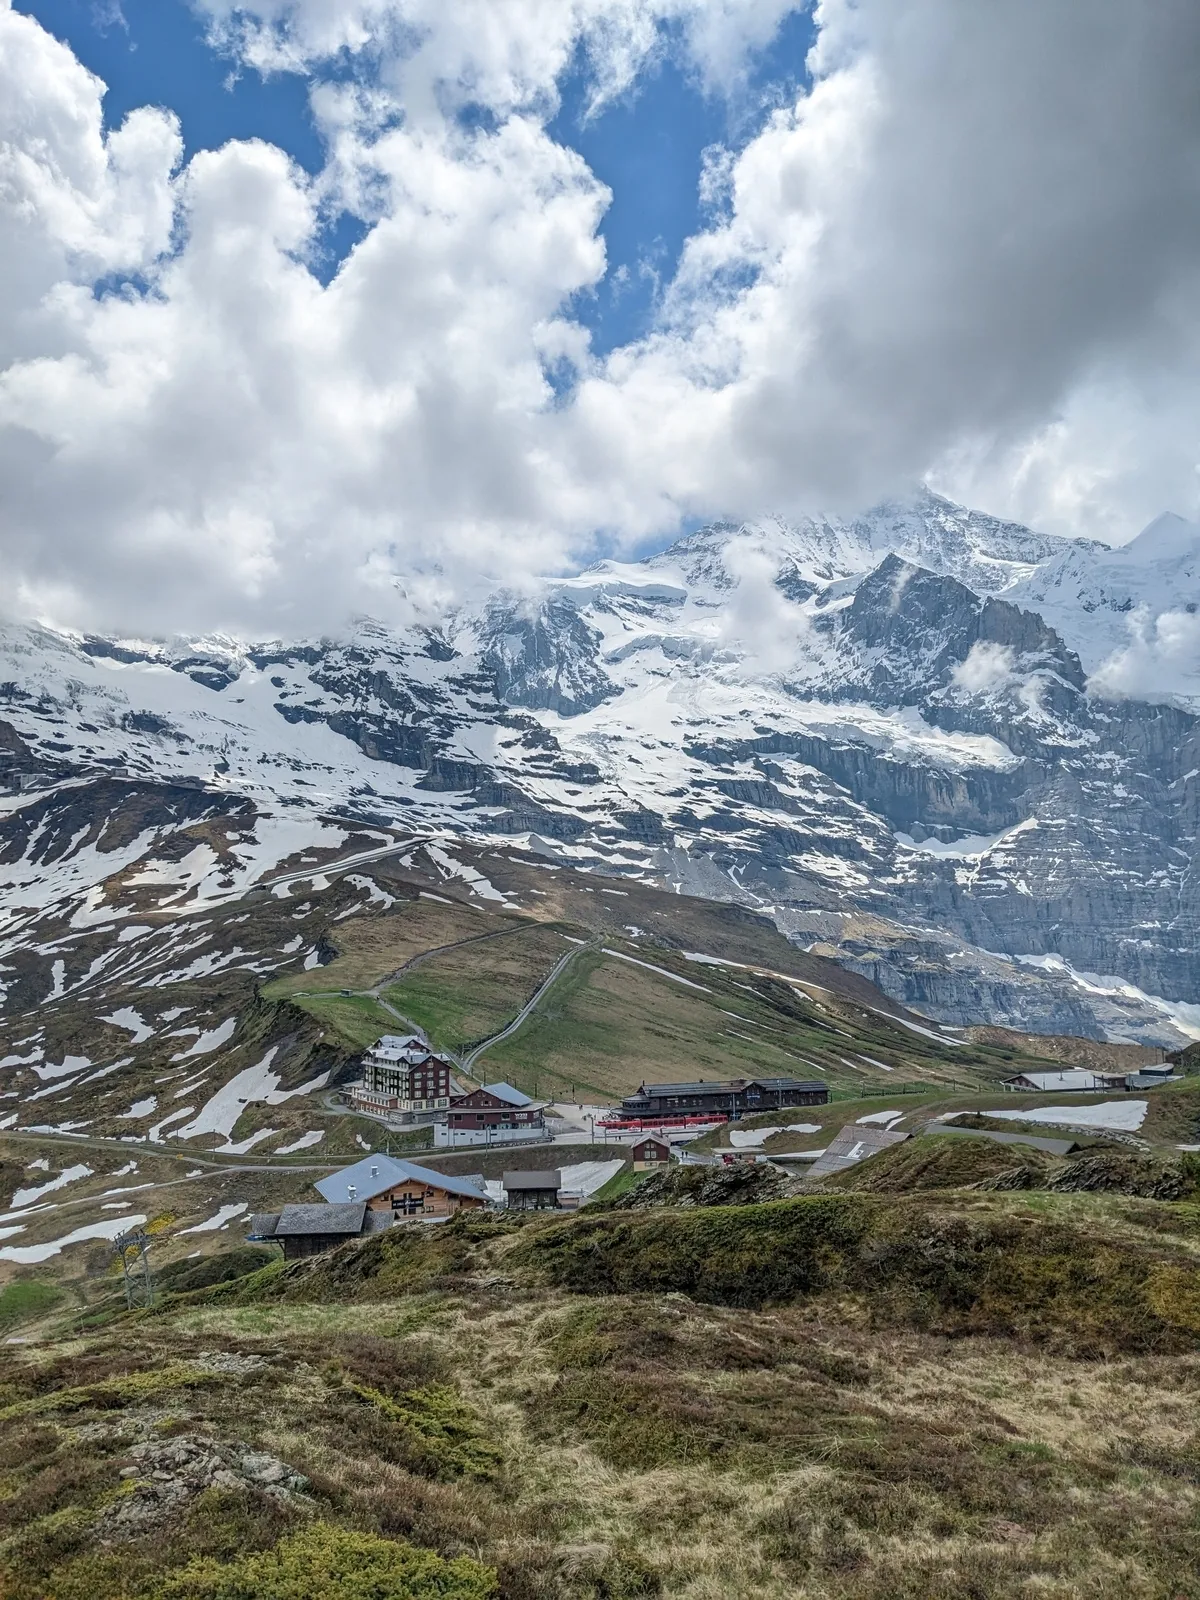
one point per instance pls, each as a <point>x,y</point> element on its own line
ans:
<point>844,1397</point>
<point>628,1006</point>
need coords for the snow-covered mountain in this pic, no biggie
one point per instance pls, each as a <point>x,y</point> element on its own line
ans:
<point>962,756</point>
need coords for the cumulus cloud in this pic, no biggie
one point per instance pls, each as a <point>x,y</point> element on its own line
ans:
<point>768,632</point>
<point>976,215</point>
<point>1160,662</point>
<point>988,667</point>
<point>969,249</point>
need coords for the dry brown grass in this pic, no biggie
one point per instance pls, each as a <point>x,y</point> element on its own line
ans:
<point>635,1445</point>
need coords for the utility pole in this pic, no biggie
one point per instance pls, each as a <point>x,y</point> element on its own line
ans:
<point>133,1251</point>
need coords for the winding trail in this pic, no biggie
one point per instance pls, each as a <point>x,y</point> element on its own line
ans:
<point>463,1060</point>
<point>551,978</point>
<point>335,869</point>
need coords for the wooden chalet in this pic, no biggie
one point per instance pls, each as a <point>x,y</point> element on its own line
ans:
<point>306,1230</point>
<point>495,1114</point>
<point>649,1153</point>
<point>733,1097</point>
<point>402,1188</point>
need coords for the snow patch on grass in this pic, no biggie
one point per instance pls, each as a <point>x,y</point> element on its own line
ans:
<point>28,1255</point>
<point>221,1218</point>
<point>1124,1116</point>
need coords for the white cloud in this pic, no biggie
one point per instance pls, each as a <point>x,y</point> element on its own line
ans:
<point>979,223</point>
<point>767,630</point>
<point>972,248</point>
<point>988,666</point>
<point>1160,662</point>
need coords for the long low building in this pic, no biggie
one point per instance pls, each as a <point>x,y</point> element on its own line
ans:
<point>727,1097</point>
<point>1079,1080</point>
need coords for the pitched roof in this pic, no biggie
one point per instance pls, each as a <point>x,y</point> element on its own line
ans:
<point>1072,1079</point>
<point>262,1225</point>
<point>713,1086</point>
<point>505,1091</point>
<point>376,1173</point>
<point>347,1219</point>
<point>851,1145</point>
<point>725,1086</point>
<point>786,1083</point>
<point>547,1179</point>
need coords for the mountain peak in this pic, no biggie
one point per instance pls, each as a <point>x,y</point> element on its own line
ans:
<point>1169,537</point>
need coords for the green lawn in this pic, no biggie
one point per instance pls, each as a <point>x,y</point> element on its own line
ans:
<point>467,994</point>
<point>357,1019</point>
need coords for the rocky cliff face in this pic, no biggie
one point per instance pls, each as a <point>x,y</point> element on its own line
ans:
<point>868,729</point>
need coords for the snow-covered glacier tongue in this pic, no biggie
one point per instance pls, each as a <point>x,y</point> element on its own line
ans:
<point>961,756</point>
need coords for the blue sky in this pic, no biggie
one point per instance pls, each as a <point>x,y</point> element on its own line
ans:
<point>195,434</point>
<point>646,146</point>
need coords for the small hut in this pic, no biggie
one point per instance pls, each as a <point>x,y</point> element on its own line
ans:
<point>532,1191</point>
<point>649,1153</point>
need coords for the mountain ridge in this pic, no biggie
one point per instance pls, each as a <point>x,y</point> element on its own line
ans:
<point>864,729</point>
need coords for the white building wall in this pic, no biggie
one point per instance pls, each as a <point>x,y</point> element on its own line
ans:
<point>460,1138</point>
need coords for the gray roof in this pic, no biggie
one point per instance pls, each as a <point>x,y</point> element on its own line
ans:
<point>262,1225</point>
<point>505,1091</point>
<point>725,1086</point>
<point>376,1173</point>
<point>851,1145</point>
<point>1077,1080</point>
<point>1147,1080</point>
<point>713,1086</point>
<point>1055,1147</point>
<point>786,1083</point>
<point>347,1219</point>
<point>549,1179</point>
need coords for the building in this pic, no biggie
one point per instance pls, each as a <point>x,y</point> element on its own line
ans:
<point>1149,1078</point>
<point>532,1191</point>
<point>402,1080</point>
<point>851,1145</point>
<point>1077,1080</point>
<point>402,1188</point>
<point>495,1114</point>
<point>649,1153</point>
<point>732,1098</point>
<point>306,1230</point>
<point>1071,1080</point>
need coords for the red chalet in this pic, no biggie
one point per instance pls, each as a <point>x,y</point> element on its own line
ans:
<point>495,1114</point>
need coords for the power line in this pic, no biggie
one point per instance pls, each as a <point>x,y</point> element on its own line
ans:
<point>133,1251</point>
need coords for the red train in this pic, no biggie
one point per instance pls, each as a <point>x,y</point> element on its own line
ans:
<point>619,1124</point>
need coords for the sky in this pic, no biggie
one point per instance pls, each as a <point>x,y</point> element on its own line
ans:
<point>311,307</point>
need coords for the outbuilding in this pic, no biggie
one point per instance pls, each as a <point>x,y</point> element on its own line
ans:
<point>306,1230</point>
<point>532,1191</point>
<point>649,1153</point>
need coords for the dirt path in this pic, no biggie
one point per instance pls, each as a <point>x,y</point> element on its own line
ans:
<point>212,1160</point>
<point>551,978</point>
<point>333,869</point>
